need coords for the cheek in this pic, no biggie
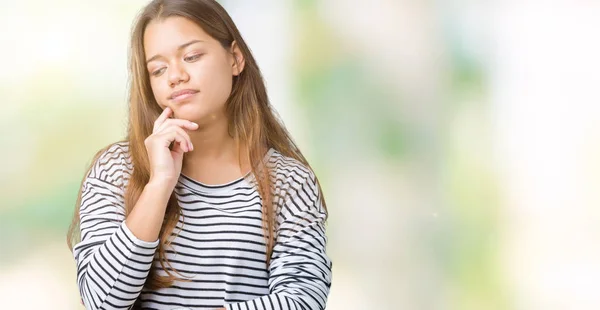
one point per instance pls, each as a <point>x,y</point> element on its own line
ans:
<point>158,92</point>
<point>216,82</point>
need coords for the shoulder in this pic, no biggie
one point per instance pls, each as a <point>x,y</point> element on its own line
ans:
<point>290,173</point>
<point>297,189</point>
<point>112,164</point>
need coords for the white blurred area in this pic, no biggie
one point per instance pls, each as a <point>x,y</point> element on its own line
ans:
<point>546,111</point>
<point>539,134</point>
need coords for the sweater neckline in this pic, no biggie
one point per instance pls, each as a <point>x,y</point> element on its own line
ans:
<point>196,185</point>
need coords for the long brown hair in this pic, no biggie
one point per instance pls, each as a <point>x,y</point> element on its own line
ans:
<point>251,117</point>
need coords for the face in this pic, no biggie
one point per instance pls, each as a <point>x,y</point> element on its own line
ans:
<point>190,71</point>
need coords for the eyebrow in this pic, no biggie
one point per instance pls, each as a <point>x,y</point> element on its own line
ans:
<point>182,46</point>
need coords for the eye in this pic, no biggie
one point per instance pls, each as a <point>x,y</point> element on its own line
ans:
<point>192,58</point>
<point>158,72</point>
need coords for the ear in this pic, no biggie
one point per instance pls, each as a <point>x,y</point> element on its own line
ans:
<point>237,59</point>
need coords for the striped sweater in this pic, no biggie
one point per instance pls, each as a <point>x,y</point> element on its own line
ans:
<point>218,243</point>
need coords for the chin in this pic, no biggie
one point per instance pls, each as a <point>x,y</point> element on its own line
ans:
<point>188,110</point>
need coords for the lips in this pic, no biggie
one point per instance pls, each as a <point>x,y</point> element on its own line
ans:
<point>181,94</point>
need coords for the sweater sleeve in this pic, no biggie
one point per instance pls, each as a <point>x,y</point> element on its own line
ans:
<point>300,270</point>
<point>112,264</point>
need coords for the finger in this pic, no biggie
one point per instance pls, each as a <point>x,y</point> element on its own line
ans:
<point>178,122</point>
<point>176,137</point>
<point>183,133</point>
<point>177,148</point>
<point>181,142</point>
<point>166,113</point>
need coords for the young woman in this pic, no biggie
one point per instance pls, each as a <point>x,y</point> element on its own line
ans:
<point>208,203</point>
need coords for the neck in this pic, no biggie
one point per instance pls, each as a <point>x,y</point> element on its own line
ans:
<point>216,157</point>
<point>211,144</point>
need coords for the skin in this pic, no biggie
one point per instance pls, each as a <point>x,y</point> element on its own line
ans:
<point>181,55</point>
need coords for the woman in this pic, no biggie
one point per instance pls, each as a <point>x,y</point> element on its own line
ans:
<point>208,203</point>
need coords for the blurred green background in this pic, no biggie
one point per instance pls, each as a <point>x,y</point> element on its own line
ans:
<point>458,142</point>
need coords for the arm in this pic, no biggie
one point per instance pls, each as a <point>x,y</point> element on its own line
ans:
<point>300,270</point>
<point>112,263</point>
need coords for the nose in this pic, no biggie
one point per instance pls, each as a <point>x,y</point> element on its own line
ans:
<point>177,75</point>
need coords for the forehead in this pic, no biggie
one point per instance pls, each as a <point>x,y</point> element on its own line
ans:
<point>165,35</point>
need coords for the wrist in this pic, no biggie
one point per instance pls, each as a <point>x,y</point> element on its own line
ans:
<point>162,186</point>
<point>160,180</point>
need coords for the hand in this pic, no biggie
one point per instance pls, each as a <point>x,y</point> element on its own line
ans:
<point>165,162</point>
